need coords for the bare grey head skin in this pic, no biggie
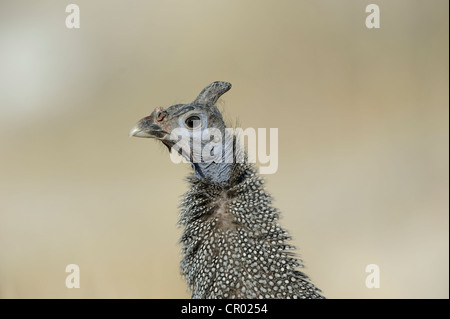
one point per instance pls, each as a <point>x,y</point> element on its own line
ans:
<point>232,244</point>
<point>202,114</point>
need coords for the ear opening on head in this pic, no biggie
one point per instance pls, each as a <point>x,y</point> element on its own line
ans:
<point>210,94</point>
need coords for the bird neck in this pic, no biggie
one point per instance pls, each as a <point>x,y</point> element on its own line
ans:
<point>218,173</point>
<point>216,170</point>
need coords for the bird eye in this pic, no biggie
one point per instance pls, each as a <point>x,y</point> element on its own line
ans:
<point>191,121</point>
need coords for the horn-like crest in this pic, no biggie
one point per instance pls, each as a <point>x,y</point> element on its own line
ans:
<point>210,94</point>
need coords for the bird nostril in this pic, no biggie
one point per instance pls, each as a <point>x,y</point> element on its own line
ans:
<point>160,114</point>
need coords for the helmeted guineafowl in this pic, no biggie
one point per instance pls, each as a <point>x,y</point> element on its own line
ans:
<point>232,245</point>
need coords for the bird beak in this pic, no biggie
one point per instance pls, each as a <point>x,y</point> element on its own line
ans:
<point>144,129</point>
<point>153,131</point>
<point>138,132</point>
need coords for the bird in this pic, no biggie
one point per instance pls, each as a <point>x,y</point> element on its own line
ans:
<point>232,244</point>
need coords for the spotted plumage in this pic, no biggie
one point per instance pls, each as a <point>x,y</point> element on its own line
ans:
<point>232,244</point>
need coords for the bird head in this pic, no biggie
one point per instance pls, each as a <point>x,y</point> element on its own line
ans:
<point>187,125</point>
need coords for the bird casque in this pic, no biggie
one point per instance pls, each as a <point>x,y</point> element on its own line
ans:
<point>232,244</point>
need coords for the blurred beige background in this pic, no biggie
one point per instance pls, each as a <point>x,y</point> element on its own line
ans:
<point>363,128</point>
